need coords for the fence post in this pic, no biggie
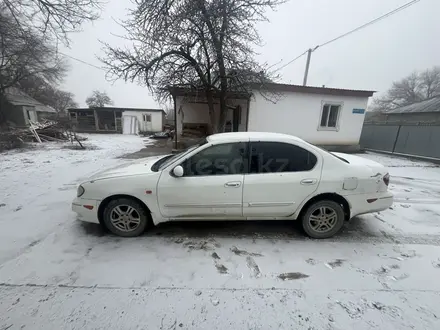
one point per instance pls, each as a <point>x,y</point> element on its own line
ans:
<point>397,137</point>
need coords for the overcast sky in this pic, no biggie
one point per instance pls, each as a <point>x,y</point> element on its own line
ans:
<point>369,59</point>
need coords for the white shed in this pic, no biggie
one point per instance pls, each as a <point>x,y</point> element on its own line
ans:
<point>323,116</point>
<point>142,120</point>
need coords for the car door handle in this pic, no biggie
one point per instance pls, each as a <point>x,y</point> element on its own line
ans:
<point>232,184</point>
<point>308,181</point>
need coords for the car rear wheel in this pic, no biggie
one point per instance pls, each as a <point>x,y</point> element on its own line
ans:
<point>126,217</point>
<point>323,219</point>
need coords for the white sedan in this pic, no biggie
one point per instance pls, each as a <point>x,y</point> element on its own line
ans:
<point>237,176</point>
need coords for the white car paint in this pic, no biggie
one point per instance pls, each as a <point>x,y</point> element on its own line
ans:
<point>239,196</point>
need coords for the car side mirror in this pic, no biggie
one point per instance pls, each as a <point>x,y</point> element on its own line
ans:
<point>178,171</point>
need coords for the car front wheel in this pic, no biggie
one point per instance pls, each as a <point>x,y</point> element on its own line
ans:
<point>126,217</point>
<point>323,219</point>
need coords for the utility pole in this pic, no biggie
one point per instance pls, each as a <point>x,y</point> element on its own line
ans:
<point>306,73</point>
<point>309,55</point>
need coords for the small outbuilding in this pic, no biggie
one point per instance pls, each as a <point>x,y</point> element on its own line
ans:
<point>20,110</point>
<point>117,120</point>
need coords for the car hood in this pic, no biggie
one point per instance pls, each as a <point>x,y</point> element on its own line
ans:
<point>141,166</point>
<point>361,161</point>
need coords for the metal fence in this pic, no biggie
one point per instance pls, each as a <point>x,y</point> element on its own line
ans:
<point>416,140</point>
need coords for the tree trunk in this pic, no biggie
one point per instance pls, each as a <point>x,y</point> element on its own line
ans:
<point>223,111</point>
<point>212,115</point>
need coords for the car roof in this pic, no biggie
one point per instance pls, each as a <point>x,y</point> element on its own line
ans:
<point>240,136</point>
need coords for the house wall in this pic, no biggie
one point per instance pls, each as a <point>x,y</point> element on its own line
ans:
<point>156,124</point>
<point>299,114</point>
<point>198,113</point>
<point>14,114</point>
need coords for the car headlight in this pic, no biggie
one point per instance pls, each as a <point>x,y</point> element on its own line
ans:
<point>80,191</point>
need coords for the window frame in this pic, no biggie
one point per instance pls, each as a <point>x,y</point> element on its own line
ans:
<point>145,117</point>
<point>249,156</point>
<point>210,145</point>
<point>324,103</point>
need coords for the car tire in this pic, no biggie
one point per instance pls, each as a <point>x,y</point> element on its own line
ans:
<point>126,217</point>
<point>323,219</point>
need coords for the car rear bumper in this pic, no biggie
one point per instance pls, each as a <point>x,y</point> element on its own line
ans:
<point>86,209</point>
<point>369,203</point>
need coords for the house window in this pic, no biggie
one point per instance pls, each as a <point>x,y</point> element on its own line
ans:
<point>147,118</point>
<point>330,116</point>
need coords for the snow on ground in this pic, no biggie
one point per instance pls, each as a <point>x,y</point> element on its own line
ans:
<point>37,185</point>
<point>57,273</point>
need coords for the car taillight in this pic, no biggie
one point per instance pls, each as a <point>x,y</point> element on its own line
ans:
<point>386,179</point>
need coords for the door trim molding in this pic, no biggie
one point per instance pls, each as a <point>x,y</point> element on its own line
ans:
<point>270,204</point>
<point>224,205</point>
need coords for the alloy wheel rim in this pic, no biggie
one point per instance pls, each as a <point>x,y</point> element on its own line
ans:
<point>323,219</point>
<point>125,218</point>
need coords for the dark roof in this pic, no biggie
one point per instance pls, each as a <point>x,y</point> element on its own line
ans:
<point>184,91</point>
<point>430,105</point>
<point>311,89</point>
<point>16,96</point>
<point>115,109</point>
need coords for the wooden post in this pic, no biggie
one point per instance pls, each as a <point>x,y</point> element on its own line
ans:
<point>95,113</point>
<point>116,123</point>
<point>175,122</point>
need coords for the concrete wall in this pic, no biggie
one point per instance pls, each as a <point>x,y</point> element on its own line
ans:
<point>299,114</point>
<point>197,113</point>
<point>156,124</point>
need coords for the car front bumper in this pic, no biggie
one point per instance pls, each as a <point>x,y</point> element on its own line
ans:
<point>86,209</point>
<point>369,203</point>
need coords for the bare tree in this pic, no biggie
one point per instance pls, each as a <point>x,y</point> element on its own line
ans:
<point>98,99</point>
<point>416,87</point>
<point>53,18</point>
<point>63,100</point>
<point>47,93</point>
<point>205,45</point>
<point>25,54</point>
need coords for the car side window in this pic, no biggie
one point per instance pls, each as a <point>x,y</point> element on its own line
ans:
<point>276,157</point>
<point>220,159</point>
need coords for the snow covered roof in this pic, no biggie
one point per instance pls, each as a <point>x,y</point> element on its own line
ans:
<point>114,109</point>
<point>16,96</point>
<point>430,105</point>
<point>312,89</point>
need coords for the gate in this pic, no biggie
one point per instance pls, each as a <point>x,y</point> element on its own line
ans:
<point>414,140</point>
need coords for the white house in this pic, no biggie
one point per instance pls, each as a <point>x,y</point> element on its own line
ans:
<point>323,116</point>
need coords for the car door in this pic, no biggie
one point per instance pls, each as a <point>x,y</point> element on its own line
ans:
<point>281,176</point>
<point>211,187</point>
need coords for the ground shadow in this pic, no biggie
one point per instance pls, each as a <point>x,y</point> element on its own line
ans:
<point>357,229</point>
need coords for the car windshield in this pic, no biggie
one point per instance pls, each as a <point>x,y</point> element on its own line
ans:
<point>164,162</point>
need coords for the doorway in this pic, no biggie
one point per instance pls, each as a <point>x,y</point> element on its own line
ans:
<point>236,118</point>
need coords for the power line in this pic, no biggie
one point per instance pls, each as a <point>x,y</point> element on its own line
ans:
<point>392,12</point>
<point>371,22</point>
<point>290,62</point>
<point>83,62</point>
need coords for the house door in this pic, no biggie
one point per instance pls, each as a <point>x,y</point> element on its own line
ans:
<point>236,115</point>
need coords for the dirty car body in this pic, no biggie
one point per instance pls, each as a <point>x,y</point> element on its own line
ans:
<point>237,176</point>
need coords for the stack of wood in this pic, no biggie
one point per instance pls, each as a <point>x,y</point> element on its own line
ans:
<point>48,131</point>
<point>45,131</point>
